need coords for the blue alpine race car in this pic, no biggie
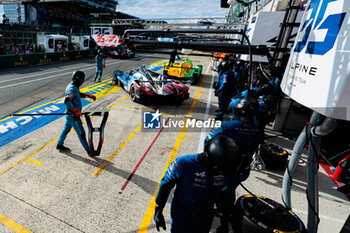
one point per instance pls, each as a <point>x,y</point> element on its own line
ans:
<point>143,84</point>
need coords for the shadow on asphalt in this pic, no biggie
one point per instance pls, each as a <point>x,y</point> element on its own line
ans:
<point>145,184</point>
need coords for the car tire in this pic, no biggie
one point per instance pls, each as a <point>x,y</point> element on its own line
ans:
<point>274,156</point>
<point>195,78</point>
<point>115,80</point>
<point>179,101</point>
<point>253,215</point>
<point>132,93</point>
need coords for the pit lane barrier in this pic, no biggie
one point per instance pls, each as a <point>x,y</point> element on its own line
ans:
<point>9,61</point>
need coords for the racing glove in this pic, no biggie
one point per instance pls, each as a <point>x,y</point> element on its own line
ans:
<point>159,218</point>
<point>91,96</point>
<point>77,113</point>
<point>216,92</point>
<point>84,95</point>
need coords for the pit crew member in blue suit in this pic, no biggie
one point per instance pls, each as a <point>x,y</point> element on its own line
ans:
<point>247,135</point>
<point>199,179</point>
<point>223,66</point>
<point>74,107</point>
<point>226,91</point>
<point>99,65</point>
<point>242,128</point>
<point>269,100</point>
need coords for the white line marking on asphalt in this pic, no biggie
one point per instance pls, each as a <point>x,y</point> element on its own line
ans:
<point>203,132</point>
<point>60,70</point>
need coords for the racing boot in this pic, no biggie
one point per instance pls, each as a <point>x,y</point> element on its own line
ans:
<point>62,148</point>
<point>91,153</point>
<point>222,229</point>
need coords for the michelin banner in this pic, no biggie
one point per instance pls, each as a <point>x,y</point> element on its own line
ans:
<point>317,74</point>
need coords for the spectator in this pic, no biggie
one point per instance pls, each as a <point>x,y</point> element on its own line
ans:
<point>14,49</point>
<point>28,48</point>
<point>5,19</point>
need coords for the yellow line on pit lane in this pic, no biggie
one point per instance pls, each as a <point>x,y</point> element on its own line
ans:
<point>115,153</point>
<point>133,107</point>
<point>48,144</point>
<point>13,225</point>
<point>34,162</point>
<point>124,98</point>
<point>28,156</point>
<point>150,210</point>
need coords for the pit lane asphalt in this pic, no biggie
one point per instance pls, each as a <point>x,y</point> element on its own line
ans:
<point>71,192</point>
<point>23,87</point>
<point>42,190</point>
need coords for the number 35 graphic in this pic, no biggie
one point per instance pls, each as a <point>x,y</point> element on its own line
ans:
<point>332,24</point>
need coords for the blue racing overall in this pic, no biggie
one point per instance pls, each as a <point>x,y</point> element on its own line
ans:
<point>99,67</point>
<point>219,68</point>
<point>247,136</point>
<point>226,91</point>
<point>261,117</point>
<point>195,194</point>
<point>73,103</point>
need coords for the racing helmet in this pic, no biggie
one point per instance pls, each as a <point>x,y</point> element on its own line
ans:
<point>226,65</point>
<point>99,52</point>
<point>266,89</point>
<point>247,107</point>
<point>78,78</point>
<point>222,154</point>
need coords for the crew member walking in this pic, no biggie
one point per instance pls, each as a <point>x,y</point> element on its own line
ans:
<point>247,135</point>
<point>74,107</point>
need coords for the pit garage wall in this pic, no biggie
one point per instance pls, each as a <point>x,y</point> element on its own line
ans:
<point>9,61</point>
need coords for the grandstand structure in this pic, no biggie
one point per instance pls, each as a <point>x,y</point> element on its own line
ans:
<point>64,17</point>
